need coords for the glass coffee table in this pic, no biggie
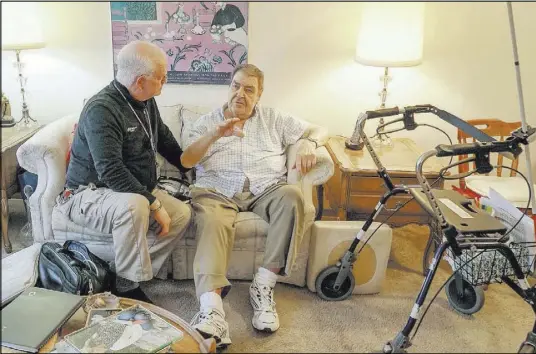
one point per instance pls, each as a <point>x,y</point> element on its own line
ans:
<point>192,342</point>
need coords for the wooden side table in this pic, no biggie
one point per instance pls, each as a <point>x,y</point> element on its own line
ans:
<point>355,187</point>
<point>12,138</point>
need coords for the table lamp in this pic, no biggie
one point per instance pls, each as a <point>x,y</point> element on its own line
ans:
<point>390,35</point>
<point>21,30</point>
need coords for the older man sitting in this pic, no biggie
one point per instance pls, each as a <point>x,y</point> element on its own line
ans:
<point>246,171</point>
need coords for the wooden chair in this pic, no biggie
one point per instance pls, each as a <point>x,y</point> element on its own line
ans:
<point>510,186</point>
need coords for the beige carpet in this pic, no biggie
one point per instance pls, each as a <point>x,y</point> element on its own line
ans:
<point>365,323</point>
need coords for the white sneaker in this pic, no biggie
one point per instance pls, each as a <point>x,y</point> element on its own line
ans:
<point>265,317</point>
<point>210,323</point>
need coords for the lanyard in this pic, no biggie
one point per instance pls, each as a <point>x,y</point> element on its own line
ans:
<point>148,133</point>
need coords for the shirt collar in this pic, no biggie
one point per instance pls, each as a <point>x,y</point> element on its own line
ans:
<point>256,110</point>
<point>134,102</point>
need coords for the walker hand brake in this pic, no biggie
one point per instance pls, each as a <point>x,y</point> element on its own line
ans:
<point>459,175</point>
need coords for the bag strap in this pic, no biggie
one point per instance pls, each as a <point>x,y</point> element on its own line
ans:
<point>175,179</point>
<point>67,251</point>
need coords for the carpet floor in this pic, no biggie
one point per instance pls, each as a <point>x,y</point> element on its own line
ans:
<point>365,323</point>
<point>361,323</point>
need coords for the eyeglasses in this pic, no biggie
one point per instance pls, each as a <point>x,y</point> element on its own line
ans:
<point>163,80</point>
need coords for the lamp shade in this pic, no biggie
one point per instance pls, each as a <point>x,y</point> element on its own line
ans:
<point>391,34</point>
<point>21,26</point>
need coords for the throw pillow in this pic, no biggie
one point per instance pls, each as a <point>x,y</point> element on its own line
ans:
<point>187,116</point>
<point>170,117</point>
<point>71,137</point>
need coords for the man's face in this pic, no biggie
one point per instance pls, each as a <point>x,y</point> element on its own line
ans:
<point>244,93</point>
<point>150,86</point>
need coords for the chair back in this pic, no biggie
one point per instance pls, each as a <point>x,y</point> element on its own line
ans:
<point>495,128</point>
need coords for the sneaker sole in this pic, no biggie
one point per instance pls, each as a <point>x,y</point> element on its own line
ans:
<point>220,344</point>
<point>265,329</point>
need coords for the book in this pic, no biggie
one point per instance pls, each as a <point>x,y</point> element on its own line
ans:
<point>133,330</point>
<point>19,271</point>
<point>34,316</point>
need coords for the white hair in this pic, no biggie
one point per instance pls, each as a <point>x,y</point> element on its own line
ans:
<point>138,58</point>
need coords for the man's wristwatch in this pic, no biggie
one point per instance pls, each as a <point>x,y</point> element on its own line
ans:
<point>157,205</point>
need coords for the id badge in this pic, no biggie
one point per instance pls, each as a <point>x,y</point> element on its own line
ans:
<point>158,167</point>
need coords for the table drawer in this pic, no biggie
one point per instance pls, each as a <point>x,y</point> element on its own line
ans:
<point>375,185</point>
<point>364,204</point>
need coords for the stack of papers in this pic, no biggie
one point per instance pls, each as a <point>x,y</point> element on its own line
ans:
<point>509,215</point>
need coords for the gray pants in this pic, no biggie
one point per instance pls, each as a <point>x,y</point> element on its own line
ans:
<point>126,216</point>
<point>280,205</point>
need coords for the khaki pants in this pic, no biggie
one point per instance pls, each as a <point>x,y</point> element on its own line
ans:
<point>280,205</point>
<point>127,218</point>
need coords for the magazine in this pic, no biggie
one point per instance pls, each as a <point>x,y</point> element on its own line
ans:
<point>97,315</point>
<point>133,330</point>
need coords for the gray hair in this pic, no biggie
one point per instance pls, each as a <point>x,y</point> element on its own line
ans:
<point>138,58</point>
<point>250,70</point>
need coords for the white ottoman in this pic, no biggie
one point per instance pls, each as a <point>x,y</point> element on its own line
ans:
<point>331,239</point>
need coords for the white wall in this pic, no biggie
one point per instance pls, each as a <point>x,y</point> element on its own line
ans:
<point>306,51</point>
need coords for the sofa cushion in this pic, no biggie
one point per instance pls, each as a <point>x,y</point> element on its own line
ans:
<point>170,116</point>
<point>188,114</point>
<point>180,119</point>
<point>513,189</point>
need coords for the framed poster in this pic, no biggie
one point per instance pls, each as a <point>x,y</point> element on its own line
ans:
<point>203,41</point>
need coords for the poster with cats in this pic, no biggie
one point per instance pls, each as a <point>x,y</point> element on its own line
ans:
<point>203,41</point>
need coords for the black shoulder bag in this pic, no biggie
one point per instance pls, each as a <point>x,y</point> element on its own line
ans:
<point>73,269</point>
<point>176,187</point>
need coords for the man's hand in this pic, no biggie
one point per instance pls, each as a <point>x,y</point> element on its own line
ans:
<point>197,150</point>
<point>305,158</point>
<point>228,128</point>
<point>162,218</point>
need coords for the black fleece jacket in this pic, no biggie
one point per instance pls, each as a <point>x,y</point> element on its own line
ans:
<point>111,149</point>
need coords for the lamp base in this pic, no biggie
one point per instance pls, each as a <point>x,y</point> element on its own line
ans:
<point>7,122</point>
<point>354,146</point>
<point>382,139</point>
<point>26,121</point>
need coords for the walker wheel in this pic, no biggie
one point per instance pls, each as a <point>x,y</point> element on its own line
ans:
<point>326,280</point>
<point>526,348</point>
<point>472,300</point>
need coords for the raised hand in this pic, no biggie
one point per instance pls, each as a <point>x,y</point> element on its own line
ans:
<point>229,128</point>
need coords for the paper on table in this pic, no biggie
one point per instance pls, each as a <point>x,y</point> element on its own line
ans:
<point>509,215</point>
<point>19,271</point>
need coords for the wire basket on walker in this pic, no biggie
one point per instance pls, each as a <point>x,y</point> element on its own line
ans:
<point>491,266</point>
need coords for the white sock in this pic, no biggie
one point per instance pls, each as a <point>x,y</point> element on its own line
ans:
<point>266,277</point>
<point>211,300</point>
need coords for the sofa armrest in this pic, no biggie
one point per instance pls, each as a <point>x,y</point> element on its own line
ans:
<point>44,154</point>
<point>320,174</point>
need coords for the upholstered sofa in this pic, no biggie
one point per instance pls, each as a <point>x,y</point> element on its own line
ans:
<point>45,155</point>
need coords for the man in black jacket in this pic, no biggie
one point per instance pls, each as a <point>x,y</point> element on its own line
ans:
<point>112,173</point>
